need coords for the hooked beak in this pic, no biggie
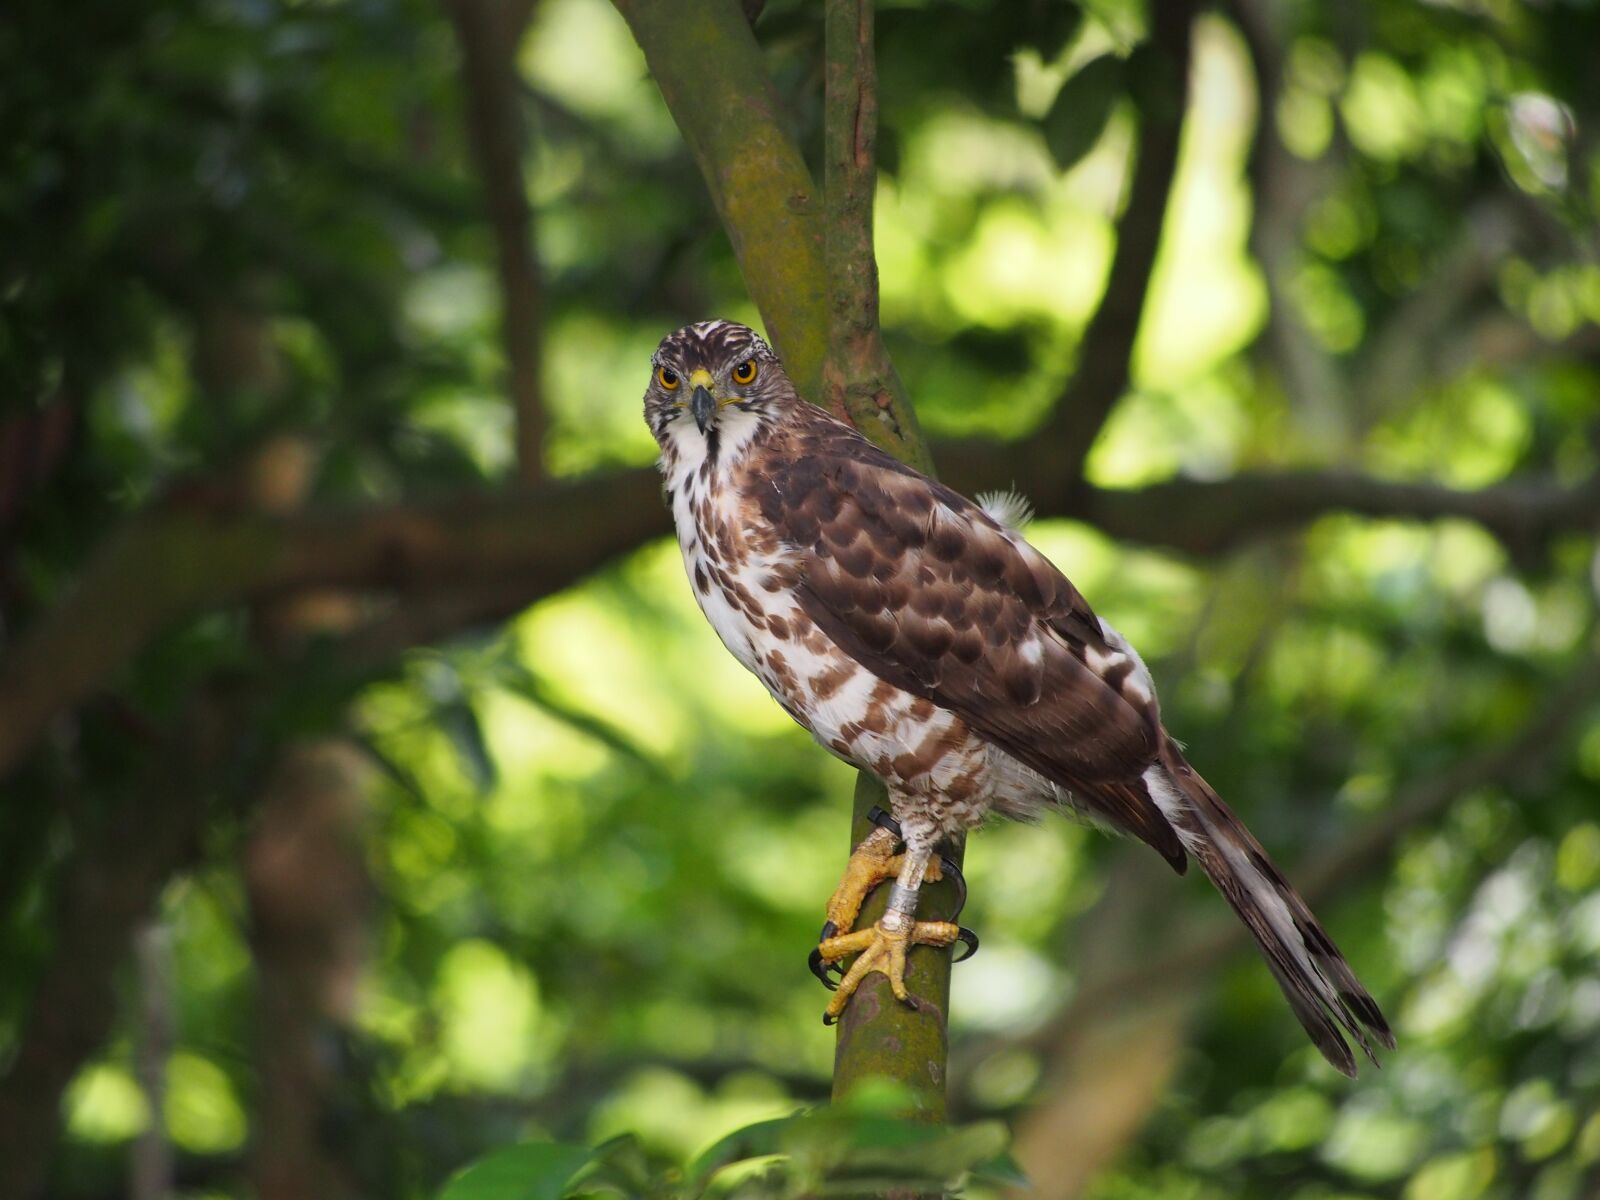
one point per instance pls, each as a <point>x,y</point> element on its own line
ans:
<point>701,406</point>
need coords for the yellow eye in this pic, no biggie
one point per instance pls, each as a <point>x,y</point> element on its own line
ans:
<point>745,372</point>
<point>668,378</point>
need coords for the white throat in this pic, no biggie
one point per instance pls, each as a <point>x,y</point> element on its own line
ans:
<point>708,458</point>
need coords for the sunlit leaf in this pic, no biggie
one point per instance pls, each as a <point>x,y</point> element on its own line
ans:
<point>458,721</point>
<point>531,1171</point>
<point>761,1140</point>
<point>1082,107</point>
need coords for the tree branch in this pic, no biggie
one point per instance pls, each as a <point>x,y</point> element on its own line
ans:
<point>1160,89</point>
<point>705,59</point>
<point>182,558</point>
<point>1205,517</point>
<point>878,1038</point>
<point>310,899</point>
<point>481,557</point>
<point>488,32</point>
<point>859,383</point>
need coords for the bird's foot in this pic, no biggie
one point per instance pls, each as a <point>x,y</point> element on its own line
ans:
<point>883,949</point>
<point>871,862</point>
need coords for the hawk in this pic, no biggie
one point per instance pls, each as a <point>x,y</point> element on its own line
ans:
<point>917,637</point>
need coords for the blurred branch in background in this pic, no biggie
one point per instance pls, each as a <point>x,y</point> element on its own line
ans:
<point>528,546</point>
<point>1159,74</point>
<point>489,33</point>
<point>310,901</point>
<point>192,553</point>
<point>120,861</point>
<point>150,1175</point>
<point>308,897</point>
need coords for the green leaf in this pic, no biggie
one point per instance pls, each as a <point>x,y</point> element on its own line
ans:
<point>1002,1170</point>
<point>849,1151</point>
<point>621,1166</point>
<point>1082,106</point>
<point>399,775</point>
<point>459,722</point>
<point>530,1171</point>
<point>761,1140</point>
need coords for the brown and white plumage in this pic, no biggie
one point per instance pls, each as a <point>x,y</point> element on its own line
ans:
<point>922,640</point>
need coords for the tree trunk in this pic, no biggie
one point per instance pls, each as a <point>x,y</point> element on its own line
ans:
<point>810,269</point>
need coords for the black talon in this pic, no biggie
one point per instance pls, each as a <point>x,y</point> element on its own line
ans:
<point>883,820</point>
<point>820,971</point>
<point>970,940</point>
<point>827,1020</point>
<point>960,880</point>
<point>815,960</point>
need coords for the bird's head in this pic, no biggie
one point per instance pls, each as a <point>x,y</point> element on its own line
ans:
<point>714,379</point>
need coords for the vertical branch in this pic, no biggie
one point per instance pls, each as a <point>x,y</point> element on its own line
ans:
<point>705,59</point>
<point>859,383</point>
<point>109,887</point>
<point>309,895</point>
<point>1160,92</point>
<point>878,1037</point>
<point>488,32</point>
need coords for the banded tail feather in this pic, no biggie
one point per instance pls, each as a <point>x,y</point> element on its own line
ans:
<point>1321,988</point>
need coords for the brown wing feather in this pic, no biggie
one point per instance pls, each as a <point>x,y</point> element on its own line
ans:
<point>927,592</point>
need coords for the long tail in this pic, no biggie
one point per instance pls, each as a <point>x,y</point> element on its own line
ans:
<point>1318,983</point>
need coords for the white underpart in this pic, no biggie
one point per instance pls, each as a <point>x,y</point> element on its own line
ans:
<point>827,718</point>
<point>735,428</point>
<point>1009,508</point>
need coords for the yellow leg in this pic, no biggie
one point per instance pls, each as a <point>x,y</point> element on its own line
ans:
<point>880,950</point>
<point>873,861</point>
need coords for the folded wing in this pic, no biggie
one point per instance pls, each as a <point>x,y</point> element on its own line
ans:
<point>926,591</point>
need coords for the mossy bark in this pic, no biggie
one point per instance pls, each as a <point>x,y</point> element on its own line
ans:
<point>705,59</point>
<point>879,1037</point>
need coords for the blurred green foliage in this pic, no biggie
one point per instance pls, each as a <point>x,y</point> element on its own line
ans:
<point>849,1151</point>
<point>601,851</point>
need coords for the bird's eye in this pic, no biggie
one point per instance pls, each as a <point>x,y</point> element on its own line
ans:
<point>668,378</point>
<point>745,372</point>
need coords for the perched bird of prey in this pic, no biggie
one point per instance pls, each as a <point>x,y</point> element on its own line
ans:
<point>918,638</point>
